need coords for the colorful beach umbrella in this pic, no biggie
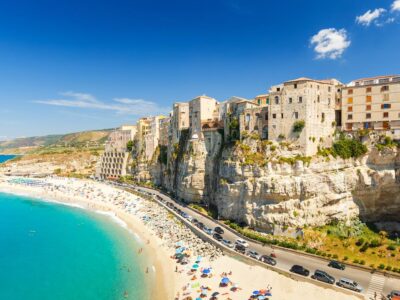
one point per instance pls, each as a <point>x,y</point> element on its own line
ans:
<point>225,280</point>
<point>256,293</point>
<point>195,266</point>
<point>206,271</point>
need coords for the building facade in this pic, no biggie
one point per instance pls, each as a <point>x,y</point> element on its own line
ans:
<point>179,120</point>
<point>202,109</point>
<point>372,103</point>
<point>114,161</point>
<point>303,110</point>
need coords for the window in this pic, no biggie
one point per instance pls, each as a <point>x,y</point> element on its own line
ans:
<point>267,101</point>
<point>368,99</point>
<point>368,107</point>
<point>259,101</point>
<point>323,117</point>
<point>350,92</point>
<point>350,108</point>
<point>368,89</point>
<point>386,106</point>
<point>266,116</point>
<point>329,88</point>
<point>274,116</point>
<point>282,116</point>
<point>349,100</point>
<point>296,115</point>
<point>349,126</point>
<point>276,100</point>
<point>367,125</point>
<point>278,89</point>
<point>300,99</point>
<point>386,115</point>
<point>318,98</point>
<point>385,88</point>
<point>295,85</point>
<point>385,125</point>
<point>368,116</point>
<point>350,117</point>
<point>290,100</point>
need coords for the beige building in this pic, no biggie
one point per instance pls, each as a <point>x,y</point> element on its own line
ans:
<point>303,100</point>
<point>372,103</point>
<point>179,120</point>
<point>262,100</point>
<point>114,161</point>
<point>164,131</point>
<point>151,139</point>
<point>202,109</point>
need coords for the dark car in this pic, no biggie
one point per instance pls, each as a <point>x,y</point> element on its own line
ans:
<point>323,276</point>
<point>219,230</point>
<point>268,260</point>
<point>240,248</point>
<point>336,265</point>
<point>217,236</point>
<point>200,225</point>
<point>299,270</point>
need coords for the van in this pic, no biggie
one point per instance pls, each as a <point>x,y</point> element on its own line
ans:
<point>349,284</point>
<point>323,276</point>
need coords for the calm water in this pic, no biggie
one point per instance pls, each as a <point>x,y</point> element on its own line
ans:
<point>51,251</point>
<point>4,158</point>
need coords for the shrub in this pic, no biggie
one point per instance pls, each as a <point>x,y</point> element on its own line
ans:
<point>364,247</point>
<point>356,261</point>
<point>381,266</point>
<point>347,148</point>
<point>335,256</point>
<point>281,136</point>
<point>388,268</point>
<point>391,247</point>
<point>360,242</point>
<point>323,254</point>
<point>362,262</point>
<point>298,126</point>
<point>374,243</point>
<point>345,258</point>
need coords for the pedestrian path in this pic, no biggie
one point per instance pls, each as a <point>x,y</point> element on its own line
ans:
<point>375,286</point>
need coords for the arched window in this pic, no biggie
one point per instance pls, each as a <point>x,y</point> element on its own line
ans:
<point>276,100</point>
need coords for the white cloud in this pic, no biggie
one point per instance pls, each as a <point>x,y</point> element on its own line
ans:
<point>330,43</point>
<point>396,5</point>
<point>136,107</point>
<point>370,16</point>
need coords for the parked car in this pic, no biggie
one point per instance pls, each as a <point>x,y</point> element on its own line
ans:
<point>253,254</point>
<point>394,295</point>
<point>242,242</point>
<point>218,237</point>
<point>336,265</point>
<point>349,284</point>
<point>323,276</point>
<point>300,270</point>
<point>207,230</point>
<point>219,230</point>
<point>227,243</point>
<point>200,225</point>
<point>240,248</point>
<point>268,260</point>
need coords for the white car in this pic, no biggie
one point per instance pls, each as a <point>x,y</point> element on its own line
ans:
<point>227,243</point>
<point>242,242</point>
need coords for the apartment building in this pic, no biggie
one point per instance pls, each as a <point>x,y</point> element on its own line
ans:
<point>202,109</point>
<point>152,137</point>
<point>179,120</point>
<point>307,101</point>
<point>114,161</point>
<point>164,131</point>
<point>372,103</point>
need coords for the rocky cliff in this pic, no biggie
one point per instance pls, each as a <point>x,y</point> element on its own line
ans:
<point>267,184</point>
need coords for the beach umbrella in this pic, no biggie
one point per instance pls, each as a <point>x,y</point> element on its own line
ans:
<point>195,266</point>
<point>206,271</point>
<point>215,294</point>
<point>261,297</point>
<point>198,259</point>
<point>256,293</point>
<point>225,280</point>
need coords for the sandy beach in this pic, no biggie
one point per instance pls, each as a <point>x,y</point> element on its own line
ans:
<point>162,236</point>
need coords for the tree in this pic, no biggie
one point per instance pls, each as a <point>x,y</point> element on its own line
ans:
<point>298,126</point>
<point>129,146</point>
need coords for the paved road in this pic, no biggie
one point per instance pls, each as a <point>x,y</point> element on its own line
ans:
<point>286,259</point>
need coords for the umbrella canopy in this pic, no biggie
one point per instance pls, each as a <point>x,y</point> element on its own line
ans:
<point>195,266</point>
<point>225,280</point>
<point>180,250</point>
<point>256,293</point>
<point>206,271</point>
<point>215,294</point>
<point>261,297</point>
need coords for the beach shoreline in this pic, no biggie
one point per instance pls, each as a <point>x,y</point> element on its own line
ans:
<point>163,285</point>
<point>160,232</point>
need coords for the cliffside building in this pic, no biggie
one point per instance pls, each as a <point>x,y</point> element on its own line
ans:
<point>303,110</point>
<point>179,120</point>
<point>372,103</point>
<point>152,137</point>
<point>114,161</point>
<point>202,109</point>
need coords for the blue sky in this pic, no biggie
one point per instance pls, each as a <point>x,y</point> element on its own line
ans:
<point>76,65</point>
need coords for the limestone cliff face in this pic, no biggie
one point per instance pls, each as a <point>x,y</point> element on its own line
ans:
<point>256,186</point>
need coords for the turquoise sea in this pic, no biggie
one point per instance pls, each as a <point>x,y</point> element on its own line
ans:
<point>4,158</point>
<point>53,251</point>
